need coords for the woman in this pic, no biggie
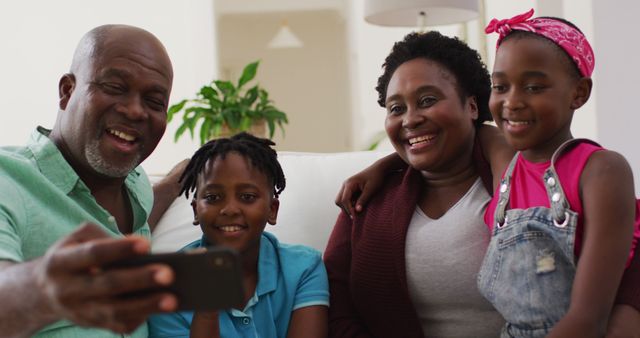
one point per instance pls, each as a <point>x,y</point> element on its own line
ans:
<point>385,263</point>
<point>406,265</point>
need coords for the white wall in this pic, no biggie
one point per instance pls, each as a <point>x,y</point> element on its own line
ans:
<point>617,73</point>
<point>39,37</point>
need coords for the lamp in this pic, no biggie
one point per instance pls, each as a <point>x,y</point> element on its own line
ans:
<point>285,38</point>
<point>419,13</point>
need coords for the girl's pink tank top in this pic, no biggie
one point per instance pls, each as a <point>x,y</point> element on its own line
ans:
<point>528,190</point>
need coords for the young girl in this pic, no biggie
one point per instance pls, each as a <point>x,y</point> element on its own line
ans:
<point>558,201</point>
<point>563,215</point>
<point>237,182</point>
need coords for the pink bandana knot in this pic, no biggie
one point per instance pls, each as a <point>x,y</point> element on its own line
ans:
<point>565,36</point>
<point>504,27</point>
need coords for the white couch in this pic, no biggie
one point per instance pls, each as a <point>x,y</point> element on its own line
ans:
<point>307,210</point>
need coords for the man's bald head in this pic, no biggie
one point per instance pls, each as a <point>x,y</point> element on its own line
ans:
<point>93,44</point>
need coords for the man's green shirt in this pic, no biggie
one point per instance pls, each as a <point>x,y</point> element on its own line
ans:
<point>43,200</point>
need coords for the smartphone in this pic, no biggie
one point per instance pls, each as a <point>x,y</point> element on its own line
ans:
<point>205,278</point>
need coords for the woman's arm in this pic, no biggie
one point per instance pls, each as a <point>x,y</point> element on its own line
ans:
<point>344,320</point>
<point>205,325</point>
<point>609,211</point>
<point>358,189</point>
<point>309,322</point>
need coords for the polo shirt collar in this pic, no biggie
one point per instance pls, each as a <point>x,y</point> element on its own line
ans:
<point>55,167</point>
<point>50,161</point>
<point>267,263</point>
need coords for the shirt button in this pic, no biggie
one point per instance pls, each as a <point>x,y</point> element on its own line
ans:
<point>112,219</point>
<point>246,321</point>
<point>555,197</point>
<point>551,181</point>
<point>503,188</point>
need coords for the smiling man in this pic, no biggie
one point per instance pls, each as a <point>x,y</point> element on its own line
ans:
<point>72,194</point>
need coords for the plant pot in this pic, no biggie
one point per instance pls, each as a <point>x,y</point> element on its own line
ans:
<point>258,129</point>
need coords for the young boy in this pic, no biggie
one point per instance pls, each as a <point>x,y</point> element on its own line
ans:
<point>237,182</point>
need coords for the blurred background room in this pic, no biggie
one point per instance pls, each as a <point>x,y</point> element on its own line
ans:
<point>319,60</point>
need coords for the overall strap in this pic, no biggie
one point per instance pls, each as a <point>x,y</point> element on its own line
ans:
<point>555,193</point>
<point>505,190</point>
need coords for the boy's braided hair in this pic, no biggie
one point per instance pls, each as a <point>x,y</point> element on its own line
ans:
<point>257,150</point>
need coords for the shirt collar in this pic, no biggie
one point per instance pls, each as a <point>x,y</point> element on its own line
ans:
<point>55,167</point>
<point>50,161</point>
<point>267,263</point>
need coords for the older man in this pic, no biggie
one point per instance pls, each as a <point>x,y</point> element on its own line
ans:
<point>72,192</point>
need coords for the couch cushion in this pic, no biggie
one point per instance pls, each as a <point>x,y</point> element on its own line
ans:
<point>307,211</point>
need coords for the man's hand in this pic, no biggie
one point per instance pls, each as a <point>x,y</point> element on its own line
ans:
<point>165,192</point>
<point>76,286</point>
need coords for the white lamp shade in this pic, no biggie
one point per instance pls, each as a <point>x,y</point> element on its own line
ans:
<point>285,39</point>
<point>406,13</point>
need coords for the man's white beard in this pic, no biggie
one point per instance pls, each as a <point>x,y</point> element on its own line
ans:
<point>98,163</point>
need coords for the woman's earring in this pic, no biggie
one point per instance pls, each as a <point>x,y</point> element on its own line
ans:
<point>196,222</point>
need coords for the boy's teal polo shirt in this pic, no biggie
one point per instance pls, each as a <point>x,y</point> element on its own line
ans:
<point>289,277</point>
<point>43,199</point>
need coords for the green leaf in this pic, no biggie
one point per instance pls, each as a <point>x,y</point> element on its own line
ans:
<point>208,92</point>
<point>191,125</point>
<point>248,73</point>
<point>174,109</point>
<point>232,118</point>
<point>272,128</point>
<point>215,104</point>
<point>180,131</point>
<point>245,123</point>
<point>251,96</point>
<point>215,131</point>
<point>205,131</point>
<point>226,87</point>
<point>281,127</point>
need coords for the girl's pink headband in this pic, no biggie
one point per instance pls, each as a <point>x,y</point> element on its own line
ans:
<point>568,38</point>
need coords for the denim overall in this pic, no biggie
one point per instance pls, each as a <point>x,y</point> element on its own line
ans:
<point>529,267</point>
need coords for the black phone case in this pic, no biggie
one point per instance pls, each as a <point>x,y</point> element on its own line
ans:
<point>208,279</point>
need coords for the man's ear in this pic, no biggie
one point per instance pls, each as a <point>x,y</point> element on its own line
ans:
<point>582,93</point>
<point>65,88</point>
<point>273,211</point>
<point>195,212</point>
<point>472,104</point>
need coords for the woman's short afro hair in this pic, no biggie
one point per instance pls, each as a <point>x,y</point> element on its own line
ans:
<point>456,56</point>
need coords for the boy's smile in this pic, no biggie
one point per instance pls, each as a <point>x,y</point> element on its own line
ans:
<point>234,202</point>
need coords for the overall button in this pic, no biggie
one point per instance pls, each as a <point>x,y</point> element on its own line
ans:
<point>246,321</point>
<point>503,188</point>
<point>551,181</point>
<point>555,197</point>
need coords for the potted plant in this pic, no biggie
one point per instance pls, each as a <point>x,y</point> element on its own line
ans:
<point>222,104</point>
